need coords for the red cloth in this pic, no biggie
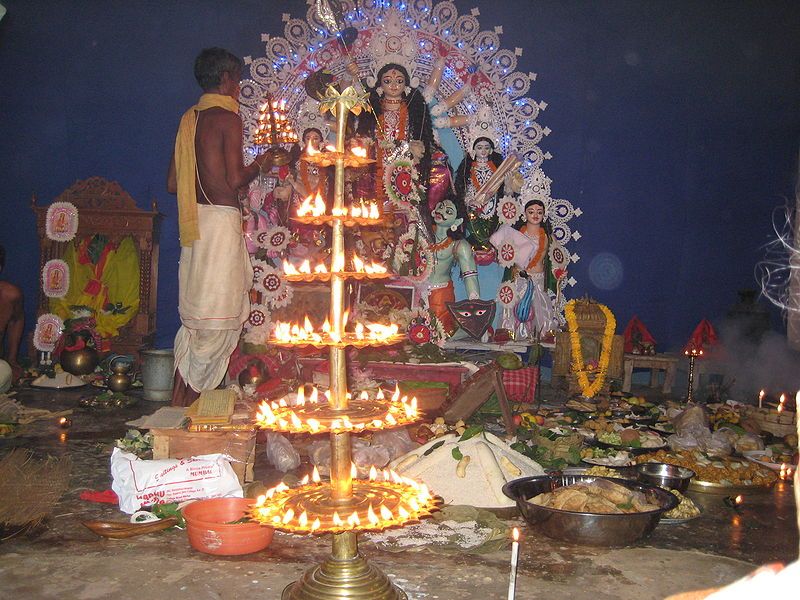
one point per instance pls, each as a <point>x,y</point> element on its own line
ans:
<point>637,335</point>
<point>105,497</point>
<point>520,384</point>
<point>703,337</point>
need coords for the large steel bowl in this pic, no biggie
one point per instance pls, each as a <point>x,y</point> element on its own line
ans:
<point>592,529</point>
<point>670,477</point>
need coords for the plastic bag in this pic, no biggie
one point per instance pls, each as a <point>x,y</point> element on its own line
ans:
<point>364,456</point>
<point>694,417</point>
<point>397,442</point>
<point>140,482</point>
<point>281,454</point>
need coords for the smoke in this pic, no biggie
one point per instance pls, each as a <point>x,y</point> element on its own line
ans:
<point>750,363</point>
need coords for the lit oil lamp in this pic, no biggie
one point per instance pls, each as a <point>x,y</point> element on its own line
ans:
<point>65,423</point>
<point>313,414</point>
<point>273,126</point>
<point>306,334</point>
<point>383,501</point>
<point>312,206</point>
<point>357,157</point>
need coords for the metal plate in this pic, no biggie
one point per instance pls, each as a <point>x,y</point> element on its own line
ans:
<point>709,487</point>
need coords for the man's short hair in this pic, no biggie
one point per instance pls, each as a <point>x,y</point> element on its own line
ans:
<point>211,63</point>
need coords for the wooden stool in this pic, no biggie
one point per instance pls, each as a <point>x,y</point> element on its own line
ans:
<point>666,362</point>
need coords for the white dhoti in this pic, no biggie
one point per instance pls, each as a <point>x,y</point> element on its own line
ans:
<point>214,278</point>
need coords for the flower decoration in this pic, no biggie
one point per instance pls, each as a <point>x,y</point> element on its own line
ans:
<point>260,267</point>
<point>283,296</point>
<point>506,254</point>
<point>79,332</point>
<point>424,327</point>
<point>579,367</point>
<point>55,278</point>
<point>47,333</point>
<point>399,181</point>
<point>413,257</point>
<point>506,294</point>
<point>275,239</point>
<point>258,324</point>
<point>509,210</point>
<point>268,282</point>
<point>61,223</point>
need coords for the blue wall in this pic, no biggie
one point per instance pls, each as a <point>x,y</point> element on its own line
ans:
<point>676,128</point>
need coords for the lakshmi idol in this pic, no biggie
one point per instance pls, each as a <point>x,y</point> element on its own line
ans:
<point>532,277</point>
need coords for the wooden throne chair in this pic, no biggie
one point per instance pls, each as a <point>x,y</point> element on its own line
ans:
<point>106,209</point>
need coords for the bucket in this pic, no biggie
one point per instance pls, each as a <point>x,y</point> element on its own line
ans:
<point>211,528</point>
<point>157,373</point>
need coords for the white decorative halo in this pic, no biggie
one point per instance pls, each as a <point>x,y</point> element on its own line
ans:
<point>506,254</point>
<point>509,210</point>
<point>48,329</point>
<point>61,223</point>
<point>415,33</point>
<point>309,116</point>
<point>55,278</point>
<point>275,239</point>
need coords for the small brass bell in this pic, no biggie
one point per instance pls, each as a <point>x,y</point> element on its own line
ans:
<point>119,380</point>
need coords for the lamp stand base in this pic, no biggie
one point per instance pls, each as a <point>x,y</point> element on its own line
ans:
<point>338,579</point>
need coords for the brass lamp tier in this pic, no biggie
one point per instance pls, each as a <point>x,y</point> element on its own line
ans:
<point>360,415</point>
<point>326,159</point>
<point>373,506</point>
<point>312,508</point>
<point>346,220</point>
<point>326,276</point>
<point>348,339</point>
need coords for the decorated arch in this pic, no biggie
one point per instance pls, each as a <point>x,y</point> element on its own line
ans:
<point>417,34</point>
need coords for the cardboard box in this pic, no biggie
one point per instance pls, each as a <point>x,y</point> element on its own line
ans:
<point>179,443</point>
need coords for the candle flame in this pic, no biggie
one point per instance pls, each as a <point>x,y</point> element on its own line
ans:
<point>515,534</point>
<point>359,151</point>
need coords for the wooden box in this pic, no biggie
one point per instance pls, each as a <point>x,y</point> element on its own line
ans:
<point>179,443</point>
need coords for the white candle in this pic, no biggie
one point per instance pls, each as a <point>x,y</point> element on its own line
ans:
<point>512,582</point>
<point>760,398</point>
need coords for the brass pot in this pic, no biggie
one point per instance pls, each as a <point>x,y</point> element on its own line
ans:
<point>252,374</point>
<point>119,380</point>
<point>79,362</point>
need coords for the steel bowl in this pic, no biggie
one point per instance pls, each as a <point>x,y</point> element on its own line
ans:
<point>670,477</point>
<point>593,529</point>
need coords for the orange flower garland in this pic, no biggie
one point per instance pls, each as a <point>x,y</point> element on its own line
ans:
<point>589,390</point>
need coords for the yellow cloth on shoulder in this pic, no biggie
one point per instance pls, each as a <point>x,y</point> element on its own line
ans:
<point>186,164</point>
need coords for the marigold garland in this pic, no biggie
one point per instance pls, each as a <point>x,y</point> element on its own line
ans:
<point>589,390</point>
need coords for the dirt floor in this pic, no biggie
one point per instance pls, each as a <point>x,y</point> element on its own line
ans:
<point>62,559</point>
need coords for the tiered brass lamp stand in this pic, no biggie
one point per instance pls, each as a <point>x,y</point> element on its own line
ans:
<point>345,506</point>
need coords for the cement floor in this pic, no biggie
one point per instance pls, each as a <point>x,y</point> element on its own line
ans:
<point>63,559</point>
